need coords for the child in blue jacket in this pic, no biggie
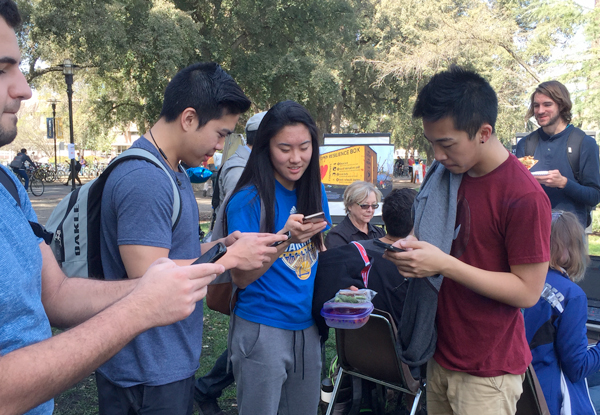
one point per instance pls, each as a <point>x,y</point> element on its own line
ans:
<point>555,326</point>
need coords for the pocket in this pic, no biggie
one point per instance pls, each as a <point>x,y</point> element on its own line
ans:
<point>248,335</point>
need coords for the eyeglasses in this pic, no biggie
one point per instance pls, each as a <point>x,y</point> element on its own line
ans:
<point>367,206</point>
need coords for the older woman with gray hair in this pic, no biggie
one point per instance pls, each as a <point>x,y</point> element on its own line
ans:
<point>361,199</point>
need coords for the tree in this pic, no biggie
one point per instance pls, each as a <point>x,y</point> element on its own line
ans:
<point>583,74</point>
<point>505,41</point>
<point>130,48</point>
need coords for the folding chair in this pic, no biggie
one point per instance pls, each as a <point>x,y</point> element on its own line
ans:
<point>370,353</point>
<point>532,401</point>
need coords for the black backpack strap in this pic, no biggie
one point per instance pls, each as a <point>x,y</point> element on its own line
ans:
<point>142,154</point>
<point>216,196</point>
<point>37,229</point>
<point>574,150</point>
<point>9,185</point>
<point>531,143</point>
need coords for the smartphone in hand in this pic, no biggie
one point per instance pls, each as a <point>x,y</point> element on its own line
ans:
<point>288,234</point>
<point>314,218</point>
<point>212,255</point>
<point>388,247</point>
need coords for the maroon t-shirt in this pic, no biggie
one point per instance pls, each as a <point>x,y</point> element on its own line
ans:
<point>503,219</point>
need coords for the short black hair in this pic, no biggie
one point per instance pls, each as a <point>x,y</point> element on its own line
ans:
<point>397,212</point>
<point>208,89</point>
<point>23,150</point>
<point>460,94</point>
<point>10,13</point>
<point>250,136</point>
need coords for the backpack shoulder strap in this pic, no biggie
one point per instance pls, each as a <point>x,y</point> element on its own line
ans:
<point>531,143</point>
<point>9,185</point>
<point>142,154</point>
<point>574,150</point>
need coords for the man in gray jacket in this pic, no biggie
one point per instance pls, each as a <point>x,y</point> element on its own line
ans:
<point>234,166</point>
<point>209,387</point>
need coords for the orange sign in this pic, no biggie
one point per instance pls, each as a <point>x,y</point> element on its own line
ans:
<point>347,165</point>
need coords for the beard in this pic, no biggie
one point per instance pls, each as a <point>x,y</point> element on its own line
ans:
<point>7,136</point>
<point>551,121</point>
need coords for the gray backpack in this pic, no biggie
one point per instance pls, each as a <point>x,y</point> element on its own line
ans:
<point>18,161</point>
<point>76,220</point>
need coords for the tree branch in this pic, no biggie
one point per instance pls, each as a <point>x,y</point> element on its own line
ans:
<point>40,72</point>
<point>520,62</point>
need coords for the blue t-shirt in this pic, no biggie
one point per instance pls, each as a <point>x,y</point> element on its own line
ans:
<point>556,331</point>
<point>23,320</point>
<point>282,296</point>
<point>137,204</point>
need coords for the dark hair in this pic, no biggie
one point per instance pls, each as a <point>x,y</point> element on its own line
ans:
<point>250,136</point>
<point>460,94</point>
<point>23,150</point>
<point>308,187</point>
<point>558,93</point>
<point>208,89</point>
<point>10,13</point>
<point>397,212</point>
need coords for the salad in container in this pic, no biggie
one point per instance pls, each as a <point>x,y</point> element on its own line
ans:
<point>348,309</point>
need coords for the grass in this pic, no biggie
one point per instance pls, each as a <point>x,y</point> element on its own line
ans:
<point>82,398</point>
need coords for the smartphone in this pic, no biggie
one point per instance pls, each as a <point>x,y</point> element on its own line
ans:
<point>387,246</point>
<point>314,218</point>
<point>212,255</point>
<point>288,234</point>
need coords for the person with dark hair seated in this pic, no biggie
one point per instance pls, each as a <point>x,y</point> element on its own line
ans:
<point>361,264</point>
<point>345,266</point>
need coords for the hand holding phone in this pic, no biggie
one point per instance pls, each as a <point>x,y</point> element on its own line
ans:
<point>314,218</point>
<point>288,234</point>
<point>388,247</point>
<point>212,255</point>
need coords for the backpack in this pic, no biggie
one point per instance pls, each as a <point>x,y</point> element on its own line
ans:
<point>18,161</point>
<point>573,154</point>
<point>76,220</point>
<point>222,293</point>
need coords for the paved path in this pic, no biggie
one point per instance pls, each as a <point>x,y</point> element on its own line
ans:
<point>55,192</point>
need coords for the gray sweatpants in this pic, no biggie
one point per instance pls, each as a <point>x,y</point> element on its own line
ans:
<point>277,371</point>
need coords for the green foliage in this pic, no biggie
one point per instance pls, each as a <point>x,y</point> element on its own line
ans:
<point>505,41</point>
<point>350,62</point>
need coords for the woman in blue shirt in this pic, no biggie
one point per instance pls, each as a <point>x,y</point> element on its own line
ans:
<point>555,326</point>
<point>275,349</point>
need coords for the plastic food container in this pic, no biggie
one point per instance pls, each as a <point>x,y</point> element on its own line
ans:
<point>346,315</point>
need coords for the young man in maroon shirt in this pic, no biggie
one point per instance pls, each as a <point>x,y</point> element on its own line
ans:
<point>499,255</point>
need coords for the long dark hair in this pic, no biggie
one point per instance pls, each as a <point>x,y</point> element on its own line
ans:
<point>308,187</point>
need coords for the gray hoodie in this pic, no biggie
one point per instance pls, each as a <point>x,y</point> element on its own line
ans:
<point>231,171</point>
<point>434,213</point>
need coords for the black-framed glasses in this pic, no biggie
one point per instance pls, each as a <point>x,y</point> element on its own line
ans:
<point>367,206</point>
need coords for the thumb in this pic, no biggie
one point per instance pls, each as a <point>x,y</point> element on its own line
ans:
<point>409,244</point>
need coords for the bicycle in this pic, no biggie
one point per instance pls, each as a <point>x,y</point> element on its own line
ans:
<point>36,184</point>
<point>47,173</point>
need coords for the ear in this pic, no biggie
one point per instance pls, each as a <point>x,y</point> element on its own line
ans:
<point>485,133</point>
<point>188,119</point>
